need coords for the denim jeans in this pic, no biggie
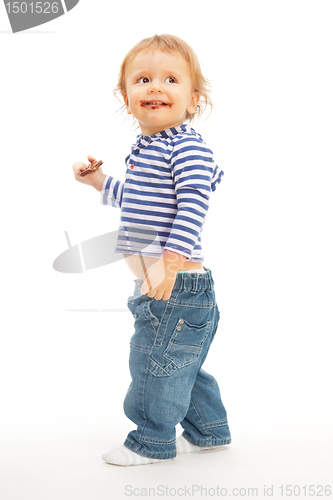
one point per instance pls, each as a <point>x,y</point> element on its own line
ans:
<point>168,386</point>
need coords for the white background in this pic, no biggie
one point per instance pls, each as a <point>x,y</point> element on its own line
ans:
<point>267,238</point>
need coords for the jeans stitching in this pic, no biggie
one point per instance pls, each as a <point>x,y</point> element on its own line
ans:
<point>161,339</point>
<point>160,368</point>
<point>143,406</point>
<point>197,413</point>
<point>140,450</point>
<point>157,441</point>
<point>139,347</point>
<point>211,425</point>
<point>202,305</point>
<point>182,347</point>
<point>213,442</point>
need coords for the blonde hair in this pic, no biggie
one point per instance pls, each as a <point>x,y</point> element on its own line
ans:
<point>171,44</point>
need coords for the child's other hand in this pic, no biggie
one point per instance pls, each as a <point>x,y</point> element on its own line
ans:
<point>161,276</point>
<point>153,278</point>
<point>159,282</point>
<point>90,178</point>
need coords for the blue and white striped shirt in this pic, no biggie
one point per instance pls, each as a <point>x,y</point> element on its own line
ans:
<point>165,197</point>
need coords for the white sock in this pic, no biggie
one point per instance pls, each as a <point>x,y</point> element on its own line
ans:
<point>184,446</point>
<point>124,456</point>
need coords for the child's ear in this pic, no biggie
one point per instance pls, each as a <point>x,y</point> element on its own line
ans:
<point>126,102</point>
<point>192,107</point>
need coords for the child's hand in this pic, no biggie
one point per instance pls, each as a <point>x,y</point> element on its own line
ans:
<point>154,276</point>
<point>159,281</point>
<point>91,178</point>
<point>161,276</point>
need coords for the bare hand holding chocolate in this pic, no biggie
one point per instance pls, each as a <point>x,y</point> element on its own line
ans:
<point>90,174</point>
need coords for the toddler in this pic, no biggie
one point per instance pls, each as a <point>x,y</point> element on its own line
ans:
<point>164,199</point>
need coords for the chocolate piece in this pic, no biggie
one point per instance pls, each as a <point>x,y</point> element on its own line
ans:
<point>92,167</point>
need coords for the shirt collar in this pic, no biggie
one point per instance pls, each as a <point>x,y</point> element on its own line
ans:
<point>165,134</point>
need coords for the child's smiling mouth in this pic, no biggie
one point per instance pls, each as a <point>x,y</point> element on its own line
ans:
<point>155,104</point>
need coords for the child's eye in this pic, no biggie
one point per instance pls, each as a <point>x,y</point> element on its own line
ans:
<point>143,79</point>
<point>171,79</point>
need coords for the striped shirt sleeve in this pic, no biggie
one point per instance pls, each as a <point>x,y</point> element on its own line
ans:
<point>195,177</point>
<point>112,192</point>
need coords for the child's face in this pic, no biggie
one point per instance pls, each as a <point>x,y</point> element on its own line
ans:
<point>159,91</point>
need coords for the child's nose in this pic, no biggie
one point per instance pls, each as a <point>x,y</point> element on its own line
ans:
<point>155,86</point>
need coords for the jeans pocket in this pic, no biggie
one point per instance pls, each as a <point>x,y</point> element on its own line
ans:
<point>146,324</point>
<point>186,343</point>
